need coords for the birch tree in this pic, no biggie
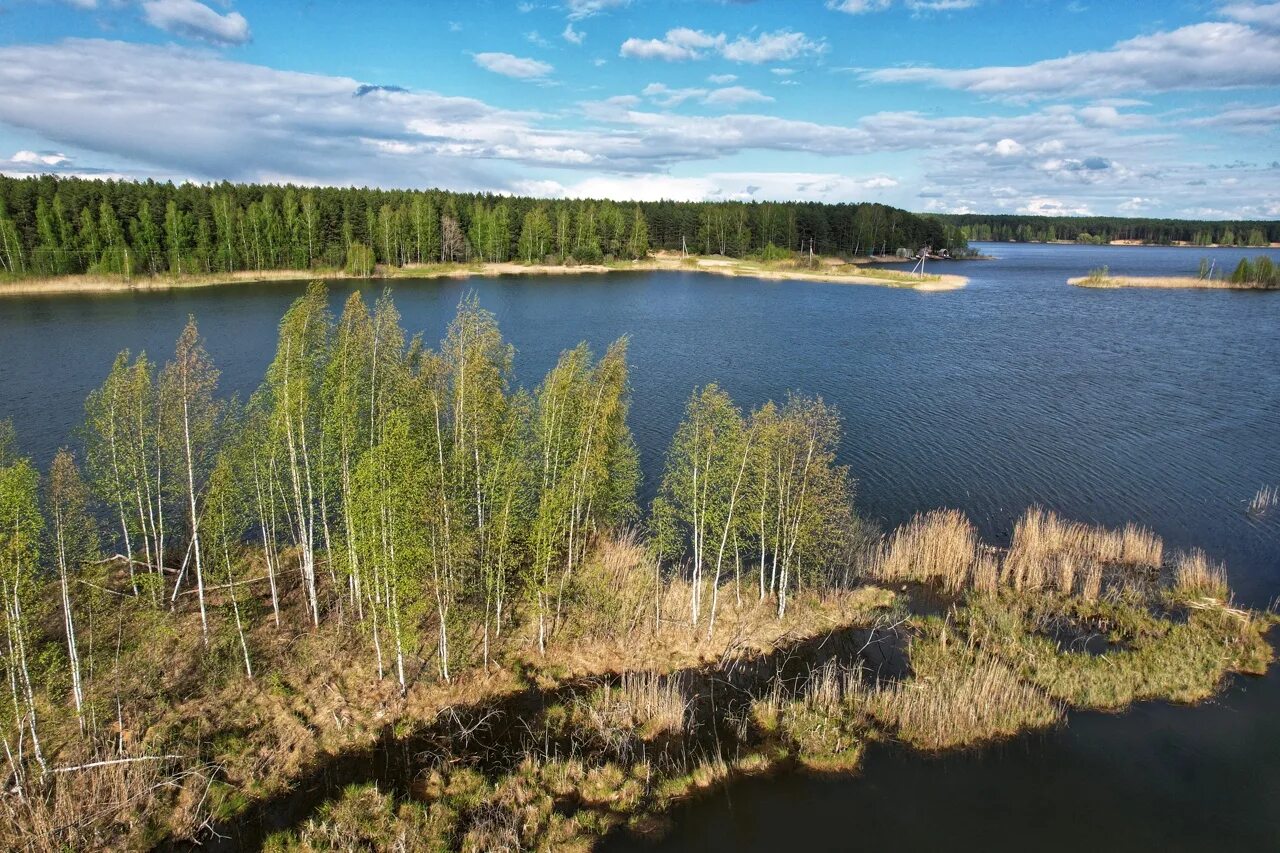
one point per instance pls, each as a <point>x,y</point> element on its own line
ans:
<point>293,392</point>
<point>74,543</point>
<point>20,530</point>
<point>189,383</point>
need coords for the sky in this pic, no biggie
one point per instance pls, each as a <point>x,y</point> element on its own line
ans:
<point>994,106</point>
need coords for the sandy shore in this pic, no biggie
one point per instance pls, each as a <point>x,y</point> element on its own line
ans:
<point>828,272</point>
<point>1181,282</point>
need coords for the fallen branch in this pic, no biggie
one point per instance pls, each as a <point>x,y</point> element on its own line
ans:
<point>93,764</point>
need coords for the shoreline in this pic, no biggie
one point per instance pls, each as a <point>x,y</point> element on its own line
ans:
<point>1160,282</point>
<point>732,267</point>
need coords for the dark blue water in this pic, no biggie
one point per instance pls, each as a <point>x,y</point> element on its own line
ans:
<point>1156,406</point>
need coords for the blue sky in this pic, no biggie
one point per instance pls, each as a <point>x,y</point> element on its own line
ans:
<point>1135,108</point>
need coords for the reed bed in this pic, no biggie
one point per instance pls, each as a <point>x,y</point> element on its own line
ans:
<point>958,698</point>
<point>1264,501</point>
<point>1048,552</point>
<point>934,547</point>
<point>1196,576</point>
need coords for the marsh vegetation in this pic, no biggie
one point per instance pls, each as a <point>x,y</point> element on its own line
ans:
<point>394,599</point>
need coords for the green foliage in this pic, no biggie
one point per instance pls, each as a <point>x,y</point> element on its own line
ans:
<point>56,226</point>
<point>1103,229</point>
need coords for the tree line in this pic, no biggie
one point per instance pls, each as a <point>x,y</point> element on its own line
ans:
<point>1103,229</point>
<point>57,226</point>
<point>412,492</point>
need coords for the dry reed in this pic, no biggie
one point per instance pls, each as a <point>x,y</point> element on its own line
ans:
<point>1264,500</point>
<point>1050,553</point>
<point>964,699</point>
<point>939,546</point>
<point>1196,576</point>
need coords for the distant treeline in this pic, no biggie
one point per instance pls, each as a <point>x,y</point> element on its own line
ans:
<point>1104,229</point>
<point>56,226</point>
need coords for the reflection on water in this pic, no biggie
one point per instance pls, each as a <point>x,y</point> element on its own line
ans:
<point>1161,407</point>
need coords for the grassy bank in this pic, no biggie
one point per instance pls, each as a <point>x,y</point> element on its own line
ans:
<point>1184,282</point>
<point>831,271</point>
<point>935,640</point>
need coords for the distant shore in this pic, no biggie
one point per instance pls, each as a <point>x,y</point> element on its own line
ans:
<point>827,270</point>
<point>1154,281</point>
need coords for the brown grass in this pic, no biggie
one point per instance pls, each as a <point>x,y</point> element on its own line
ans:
<point>1195,576</point>
<point>958,697</point>
<point>1156,281</point>
<point>936,547</point>
<point>1072,558</point>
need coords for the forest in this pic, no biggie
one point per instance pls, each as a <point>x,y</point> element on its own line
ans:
<point>208,601</point>
<point>59,226</point>
<point>1103,229</point>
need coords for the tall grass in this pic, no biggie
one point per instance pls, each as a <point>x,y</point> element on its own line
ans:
<point>957,697</point>
<point>1264,500</point>
<point>939,546</point>
<point>1196,576</point>
<point>1048,552</point>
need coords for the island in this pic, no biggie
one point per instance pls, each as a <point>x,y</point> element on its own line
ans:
<point>395,595</point>
<point>1257,274</point>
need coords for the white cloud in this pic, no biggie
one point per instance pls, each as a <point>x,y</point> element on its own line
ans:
<point>735,95</point>
<point>682,44</point>
<point>721,79</point>
<point>579,9</point>
<point>519,67</point>
<point>862,7</point>
<point>178,112</point>
<point>1052,207</point>
<point>190,19</point>
<point>728,96</point>
<point>1137,204</point>
<point>1214,55</point>
<point>1262,15</point>
<point>771,47</point>
<point>718,186</point>
<point>1004,148</point>
<point>1242,119</point>
<point>573,36</point>
<point>44,158</point>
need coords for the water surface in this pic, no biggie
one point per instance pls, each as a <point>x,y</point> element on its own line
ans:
<point>1161,407</point>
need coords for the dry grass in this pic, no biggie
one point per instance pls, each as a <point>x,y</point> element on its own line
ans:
<point>1073,558</point>
<point>936,547</point>
<point>114,805</point>
<point>957,697</point>
<point>1195,576</point>
<point>1107,280</point>
<point>1264,500</point>
<point>643,704</point>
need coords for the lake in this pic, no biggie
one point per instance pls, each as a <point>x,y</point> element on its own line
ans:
<point>1159,407</point>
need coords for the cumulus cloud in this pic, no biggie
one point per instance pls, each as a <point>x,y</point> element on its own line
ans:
<point>1206,56</point>
<point>508,65</point>
<point>682,44</point>
<point>191,19</point>
<point>571,35</point>
<point>721,79</point>
<point>178,112</point>
<point>727,96</point>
